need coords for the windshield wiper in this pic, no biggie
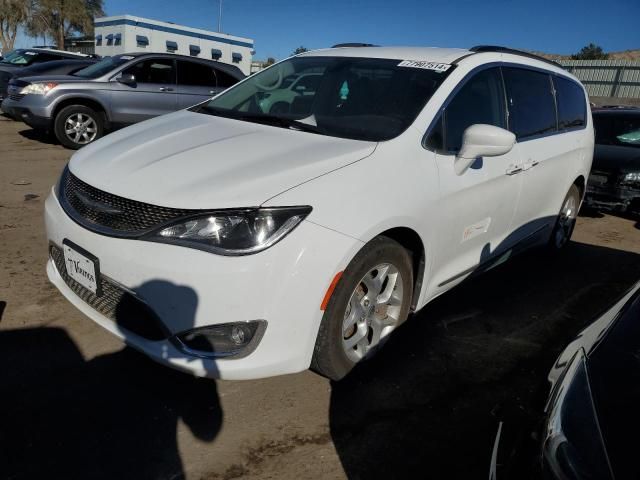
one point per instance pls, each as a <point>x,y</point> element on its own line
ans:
<point>266,119</point>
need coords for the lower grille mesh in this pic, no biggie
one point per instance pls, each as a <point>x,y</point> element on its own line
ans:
<point>115,303</point>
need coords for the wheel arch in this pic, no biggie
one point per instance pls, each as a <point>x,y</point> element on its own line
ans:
<point>412,242</point>
<point>84,101</point>
<point>580,182</point>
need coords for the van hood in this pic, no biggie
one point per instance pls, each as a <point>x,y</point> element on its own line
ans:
<point>193,160</point>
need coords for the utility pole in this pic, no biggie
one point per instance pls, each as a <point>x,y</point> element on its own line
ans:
<point>220,17</point>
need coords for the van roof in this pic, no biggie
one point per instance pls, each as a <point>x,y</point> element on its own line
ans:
<point>438,55</point>
<point>431,54</point>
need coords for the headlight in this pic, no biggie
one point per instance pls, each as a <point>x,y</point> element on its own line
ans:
<point>38,88</point>
<point>633,177</point>
<point>233,232</point>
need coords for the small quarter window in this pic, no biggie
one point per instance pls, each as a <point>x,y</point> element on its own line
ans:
<point>435,140</point>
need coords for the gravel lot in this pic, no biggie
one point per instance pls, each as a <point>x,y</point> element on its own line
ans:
<point>74,403</point>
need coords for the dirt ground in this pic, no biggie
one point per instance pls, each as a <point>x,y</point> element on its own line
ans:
<point>74,403</point>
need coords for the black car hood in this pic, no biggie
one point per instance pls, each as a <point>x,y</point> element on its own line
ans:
<point>616,158</point>
<point>9,67</point>
<point>54,78</point>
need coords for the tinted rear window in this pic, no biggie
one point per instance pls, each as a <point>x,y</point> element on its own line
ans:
<point>532,109</point>
<point>195,74</point>
<point>572,107</point>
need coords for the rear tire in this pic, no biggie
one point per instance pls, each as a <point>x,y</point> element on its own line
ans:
<point>566,221</point>
<point>76,126</point>
<point>371,299</point>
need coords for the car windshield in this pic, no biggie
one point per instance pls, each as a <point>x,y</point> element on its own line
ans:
<point>103,67</point>
<point>20,57</point>
<point>359,98</point>
<point>617,130</point>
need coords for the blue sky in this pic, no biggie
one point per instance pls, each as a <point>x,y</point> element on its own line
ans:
<point>279,26</point>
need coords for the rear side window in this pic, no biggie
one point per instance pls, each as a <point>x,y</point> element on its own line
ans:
<point>159,70</point>
<point>532,109</point>
<point>480,100</point>
<point>572,109</point>
<point>195,74</point>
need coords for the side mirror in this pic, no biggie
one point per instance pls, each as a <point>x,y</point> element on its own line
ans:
<point>127,79</point>
<point>482,140</point>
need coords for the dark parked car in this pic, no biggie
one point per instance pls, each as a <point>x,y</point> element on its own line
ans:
<point>117,91</point>
<point>21,58</point>
<point>591,416</point>
<point>56,67</point>
<point>614,183</point>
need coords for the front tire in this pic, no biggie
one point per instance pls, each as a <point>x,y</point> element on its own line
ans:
<point>372,298</point>
<point>76,126</point>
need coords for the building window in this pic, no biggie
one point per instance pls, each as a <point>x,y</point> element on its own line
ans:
<point>117,39</point>
<point>194,50</point>
<point>216,54</point>
<point>109,39</point>
<point>142,41</point>
<point>172,47</point>
<point>98,40</point>
<point>236,57</point>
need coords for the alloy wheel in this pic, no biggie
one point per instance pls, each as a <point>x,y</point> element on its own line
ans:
<point>80,128</point>
<point>566,221</point>
<point>373,311</point>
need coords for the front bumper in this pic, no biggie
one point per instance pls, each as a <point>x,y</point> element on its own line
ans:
<point>188,288</point>
<point>34,110</point>
<point>606,191</point>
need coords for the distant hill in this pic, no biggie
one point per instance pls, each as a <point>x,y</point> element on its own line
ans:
<point>624,55</point>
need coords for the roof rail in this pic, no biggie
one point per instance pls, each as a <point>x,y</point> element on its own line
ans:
<point>498,49</point>
<point>344,45</point>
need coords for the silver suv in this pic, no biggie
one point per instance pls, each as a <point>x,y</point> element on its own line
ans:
<point>115,92</point>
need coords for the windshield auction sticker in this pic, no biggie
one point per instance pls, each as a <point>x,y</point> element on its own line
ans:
<point>438,67</point>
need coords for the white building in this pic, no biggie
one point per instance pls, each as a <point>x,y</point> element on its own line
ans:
<point>126,33</point>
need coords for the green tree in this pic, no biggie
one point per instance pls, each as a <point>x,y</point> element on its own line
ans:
<point>590,52</point>
<point>13,14</point>
<point>300,49</point>
<point>270,61</point>
<point>63,18</point>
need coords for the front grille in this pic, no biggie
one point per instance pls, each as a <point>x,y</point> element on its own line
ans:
<point>16,97</point>
<point>115,303</point>
<point>110,213</point>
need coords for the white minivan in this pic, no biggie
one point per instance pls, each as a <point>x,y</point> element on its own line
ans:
<point>232,241</point>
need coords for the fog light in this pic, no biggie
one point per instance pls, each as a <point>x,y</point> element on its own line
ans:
<point>224,340</point>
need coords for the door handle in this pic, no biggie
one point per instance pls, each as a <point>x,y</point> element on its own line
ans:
<point>166,89</point>
<point>513,169</point>
<point>530,164</point>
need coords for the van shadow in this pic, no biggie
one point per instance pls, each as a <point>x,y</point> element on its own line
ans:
<point>429,404</point>
<point>113,416</point>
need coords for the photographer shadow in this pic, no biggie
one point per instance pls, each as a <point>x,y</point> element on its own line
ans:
<point>113,416</point>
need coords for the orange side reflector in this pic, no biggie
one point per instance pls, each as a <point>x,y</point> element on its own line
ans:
<point>327,296</point>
